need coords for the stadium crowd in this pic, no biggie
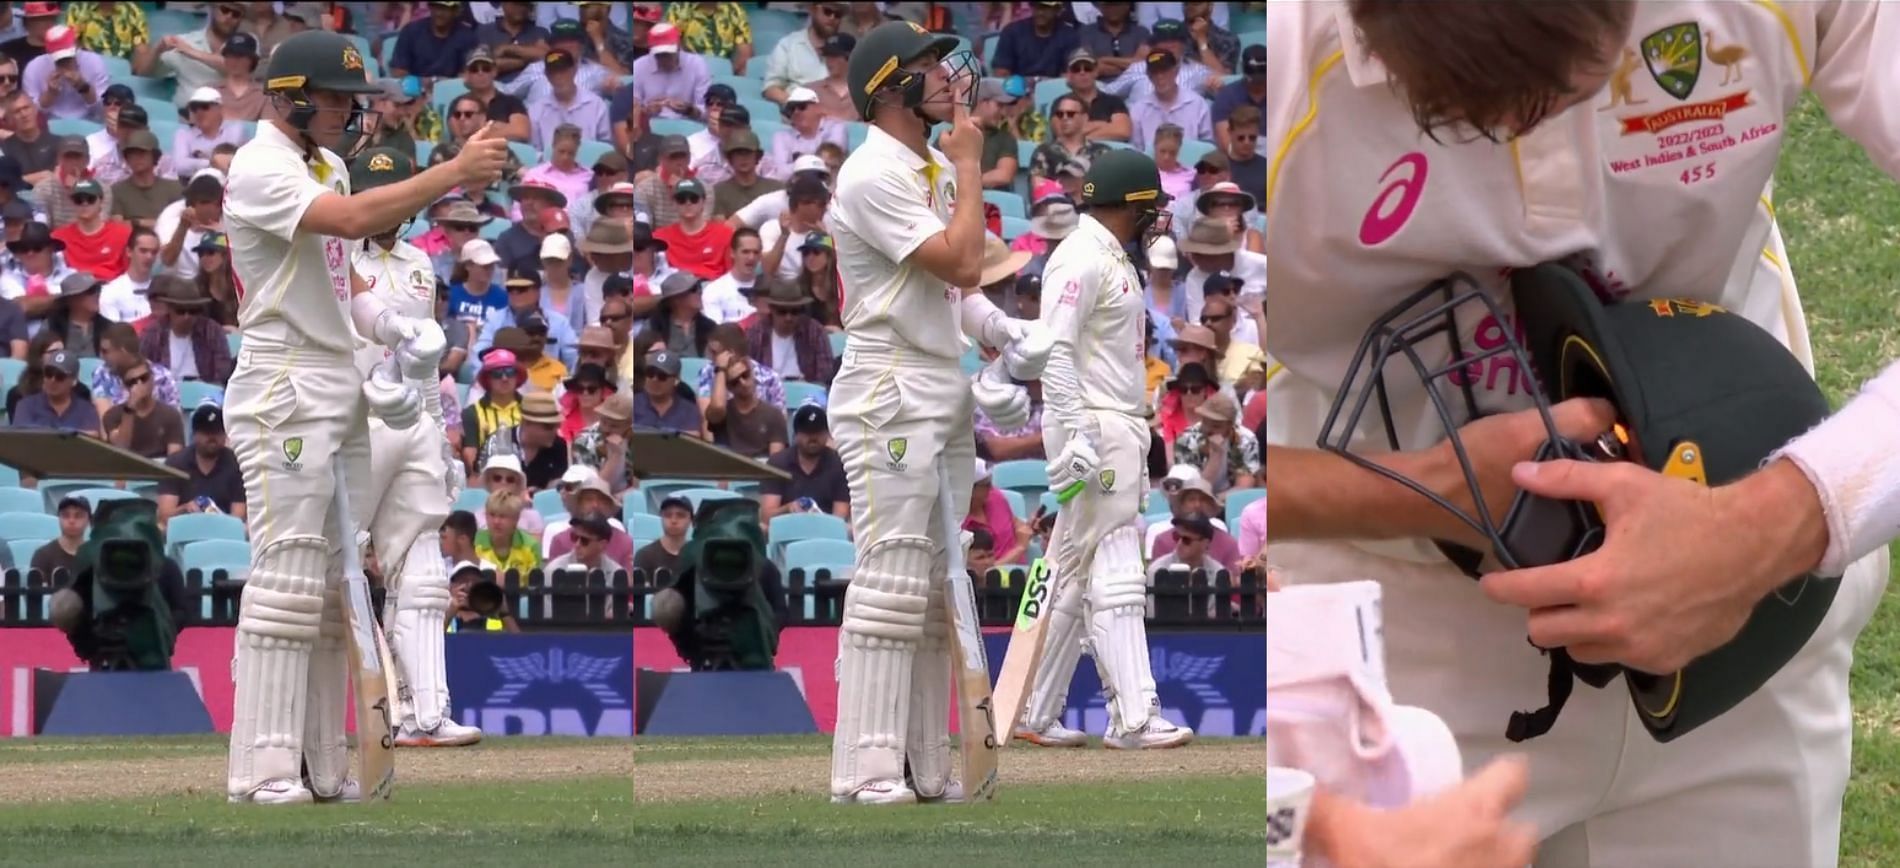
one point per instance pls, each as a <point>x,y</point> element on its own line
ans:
<point>117,302</point>
<point>740,119</point>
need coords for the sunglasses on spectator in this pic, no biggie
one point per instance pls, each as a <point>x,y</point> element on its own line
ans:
<point>588,389</point>
<point>85,200</point>
<point>1071,113</point>
<point>465,114</point>
<point>1082,67</point>
<point>481,67</point>
<point>656,374</point>
<point>1187,539</point>
<point>1196,391</point>
<point>584,540</point>
<point>516,289</point>
<point>500,479</point>
<point>1249,137</point>
<point>55,375</point>
<point>139,380</point>
<point>503,372</point>
<point>740,377</point>
<point>1207,170</point>
<point>13,78</point>
<point>686,199</point>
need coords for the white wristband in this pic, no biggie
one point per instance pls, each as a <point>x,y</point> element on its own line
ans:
<point>1853,461</point>
<point>983,320</point>
<point>372,319</point>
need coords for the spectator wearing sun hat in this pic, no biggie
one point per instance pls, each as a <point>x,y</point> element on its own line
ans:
<point>806,127</point>
<point>76,78</point>
<point>206,128</point>
<point>500,378</point>
<point>1052,216</point>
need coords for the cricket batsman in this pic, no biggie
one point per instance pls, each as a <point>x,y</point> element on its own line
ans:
<point>1096,434</point>
<point>415,475</point>
<point>297,402</point>
<point>900,405</point>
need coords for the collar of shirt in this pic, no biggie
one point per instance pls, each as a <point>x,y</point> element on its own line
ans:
<point>877,139</point>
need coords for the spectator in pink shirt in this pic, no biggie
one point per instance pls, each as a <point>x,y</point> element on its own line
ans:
<point>990,511</point>
<point>1253,529</point>
<point>1051,218</point>
<point>563,170</point>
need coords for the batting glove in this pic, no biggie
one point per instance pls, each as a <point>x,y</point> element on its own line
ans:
<point>1070,469</point>
<point>1005,403</point>
<point>390,399</point>
<point>418,354</point>
<point>1028,351</point>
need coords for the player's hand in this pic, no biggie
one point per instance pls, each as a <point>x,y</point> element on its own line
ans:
<point>1494,444</point>
<point>419,353</point>
<point>1467,826</point>
<point>1028,350</point>
<point>963,141</point>
<point>1005,403</point>
<point>1070,469</point>
<point>454,475</point>
<point>483,157</point>
<point>1681,568</point>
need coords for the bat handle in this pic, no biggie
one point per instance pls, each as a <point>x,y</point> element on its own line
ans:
<point>1069,491</point>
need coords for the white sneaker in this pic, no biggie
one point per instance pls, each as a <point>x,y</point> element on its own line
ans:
<point>448,733</point>
<point>879,793</point>
<point>1157,733</point>
<point>276,791</point>
<point>1053,735</point>
<point>350,793</point>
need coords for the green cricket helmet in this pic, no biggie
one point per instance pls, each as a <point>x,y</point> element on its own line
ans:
<point>379,166</point>
<point>1129,177</point>
<point>314,61</point>
<point>877,66</point>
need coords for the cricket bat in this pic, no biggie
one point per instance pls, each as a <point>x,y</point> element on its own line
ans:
<point>1024,656</point>
<point>372,667</point>
<point>976,724</point>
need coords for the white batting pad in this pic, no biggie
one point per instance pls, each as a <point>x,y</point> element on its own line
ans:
<point>927,739</point>
<point>1118,635</point>
<point>416,635</point>
<point>279,622</point>
<point>884,615</point>
<point>326,747</point>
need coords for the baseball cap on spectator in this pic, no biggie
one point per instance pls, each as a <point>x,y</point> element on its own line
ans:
<point>504,461</point>
<point>1181,474</point>
<point>120,93</point>
<point>618,194</point>
<point>1195,523</point>
<point>674,144</point>
<point>740,140</point>
<point>1215,159</point>
<point>735,115</point>
<point>816,241</point>
<point>548,193</point>
<point>88,187</point>
<point>1195,335</point>
<point>1221,282</point>
<point>205,96</point>
<point>991,89</point>
<point>811,163</point>
<point>838,45</point>
<point>556,247</point>
<point>613,161</point>
<point>1168,29</point>
<point>133,116</point>
<point>72,502</point>
<point>208,417</point>
<point>63,360</point>
<point>479,252</point>
<point>1047,191</point>
<point>16,209</point>
<point>1160,60</point>
<point>1218,408</point>
<point>674,501</point>
<point>1015,87</point>
<point>664,362</point>
<point>524,277</point>
<point>74,145</point>
<point>558,59</point>
<point>689,187</point>
<point>663,39</point>
<point>800,94</point>
<point>1253,60</point>
<point>62,42</point>
<point>239,45</point>
<point>478,54</point>
<point>213,242</point>
<point>720,93</point>
<point>810,419</point>
<point>648,12</point>
<point>591,524</point>
<point>1161,253</point>
<point>566,28</point>
<point>1081,52</point>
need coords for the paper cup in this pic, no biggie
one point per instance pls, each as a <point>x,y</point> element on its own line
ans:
<point>1289,797</point>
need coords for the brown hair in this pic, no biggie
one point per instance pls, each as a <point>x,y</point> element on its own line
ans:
<point>1488,65</point>
<point>730,336</point>
<point>121,335</point>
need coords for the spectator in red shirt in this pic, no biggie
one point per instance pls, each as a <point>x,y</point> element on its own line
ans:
<point>696,243</point>
<point>93,242</point>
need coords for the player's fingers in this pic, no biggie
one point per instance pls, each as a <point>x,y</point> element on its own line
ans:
<point>1500,786</point>
<point>484,132</point>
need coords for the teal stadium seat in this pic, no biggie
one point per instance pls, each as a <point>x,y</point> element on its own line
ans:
<point>1018,504</point>
<point>187,528</point>
<point>796,526</point>
<point>28,525</point>
<point>643,526</point>
<point>525,152</point>
<point>690,366</point>
<point>1192,150</point>
<point>1237,502</point>
<point>720,67</point>
<point>88,367</point>
<point>1014,228</point>
<point>192,393</point>
<point>9,476</point>
<point>799,393</point>
<point>812,554</point>
<point>547,501</point>
<point>658,489</point>
<point>473,500</point>
<point>16,499</point>
<point>743,88</point>
<point>97,496</point>
<point>10,371</point>
<point>1026,476</point>
<point>675,126</point>
<point>697,496</point>
<point>20,551</point>
<point>1010,204</point>
<point>232,556</point>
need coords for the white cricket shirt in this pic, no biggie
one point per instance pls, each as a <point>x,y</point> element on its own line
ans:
<point>1093,304</point>
<point>403,278</point>
<point>293,286</point>
<point>889,201</point>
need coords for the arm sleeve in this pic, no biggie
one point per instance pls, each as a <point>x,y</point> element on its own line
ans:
<point>888,213</point>
<point>1069,293</point>
<point>33,79</point>
<point>270,194</point>
<point>1854,76</point>
<point>778,66</point>
<point>1856,476</point>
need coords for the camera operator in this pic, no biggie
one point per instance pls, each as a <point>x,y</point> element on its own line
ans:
<point>479,605</point>
<point>725,607</point>
<point>110,609</point>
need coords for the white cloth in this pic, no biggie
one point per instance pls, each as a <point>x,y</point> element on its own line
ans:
<point>184,357</point>
<point>723,300</point>
<point>888,202</point>
<point>123,299</point>
<point>165,225</point>
<point>1095,309</point>
<point>785,357</point>
<point>191,149</point>
<point>294,285</point>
